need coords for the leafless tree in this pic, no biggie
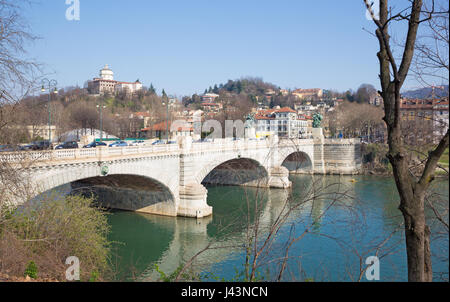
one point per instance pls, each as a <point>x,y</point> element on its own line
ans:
<point>17,74</point>
<point>412,189</point>
<point>357,120</point>
<point>431,62</point>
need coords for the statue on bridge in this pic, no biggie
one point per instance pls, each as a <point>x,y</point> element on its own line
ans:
<point>250,120</point>
<point>317,120</point>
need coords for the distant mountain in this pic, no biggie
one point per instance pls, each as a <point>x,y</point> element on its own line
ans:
<point>425,93</point>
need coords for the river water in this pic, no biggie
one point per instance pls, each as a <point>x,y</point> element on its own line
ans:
<point>334,225</point>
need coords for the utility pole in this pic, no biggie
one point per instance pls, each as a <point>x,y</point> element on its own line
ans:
<point>51,84</point>
<point>166,102</point>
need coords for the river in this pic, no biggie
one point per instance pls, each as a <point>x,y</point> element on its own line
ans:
<point>343,230</point>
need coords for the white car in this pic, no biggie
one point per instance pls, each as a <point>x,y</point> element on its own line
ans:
<point>136,143</point>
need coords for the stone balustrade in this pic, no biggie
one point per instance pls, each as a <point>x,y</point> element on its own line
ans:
<point>180,169</point>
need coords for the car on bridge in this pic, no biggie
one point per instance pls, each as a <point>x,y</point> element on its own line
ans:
<point>136,143</point>
<point>67,145</point>
<point>35,146</point>
<point>119,144</point>
<point>159,142</point>
<point>95,145</point>
<point>204,140</point>
<point>9,148</point>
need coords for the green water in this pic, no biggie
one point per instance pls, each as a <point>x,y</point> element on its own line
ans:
<point>342,229</point>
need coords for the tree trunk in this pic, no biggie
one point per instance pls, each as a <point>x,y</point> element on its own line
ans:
<point>412,206</point>
<point>417,234</point>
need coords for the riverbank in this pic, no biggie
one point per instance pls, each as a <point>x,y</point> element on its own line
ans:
<point>8,278</point>
<point>376,163</point>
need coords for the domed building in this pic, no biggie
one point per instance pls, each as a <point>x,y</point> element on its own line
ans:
<point>106,84</point>
<point>106,73</point>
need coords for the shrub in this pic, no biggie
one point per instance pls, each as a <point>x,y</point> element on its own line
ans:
<point>52,230</point>
<point>31,270</point>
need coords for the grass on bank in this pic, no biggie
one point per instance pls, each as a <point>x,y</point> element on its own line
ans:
<point>47,233</point>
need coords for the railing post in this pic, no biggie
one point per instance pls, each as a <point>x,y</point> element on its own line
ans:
<point>77,153</point>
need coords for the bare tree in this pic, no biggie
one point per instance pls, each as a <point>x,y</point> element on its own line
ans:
<point>431,62</point>
<point>17,74</point>
<point>412,189</point>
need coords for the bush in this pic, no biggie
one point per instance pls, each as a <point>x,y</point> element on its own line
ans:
<point>31,270</point>
<point>53,230</point>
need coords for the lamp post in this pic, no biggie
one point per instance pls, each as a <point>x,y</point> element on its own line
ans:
<point>101,121</point>
<point>51,85</point>
<point>167,122</point>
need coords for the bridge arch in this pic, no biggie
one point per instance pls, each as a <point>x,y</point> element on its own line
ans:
<point>298,162</point>
<point>233,171</point>
<point>125,191</point>
<point>123,176</point>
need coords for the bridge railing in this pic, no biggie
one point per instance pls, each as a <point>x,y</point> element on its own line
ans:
<point>73,154</point>
<point>105,152</point>
<point>229,144</point>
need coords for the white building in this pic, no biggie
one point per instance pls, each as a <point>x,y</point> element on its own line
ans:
<point>283,122</point>
<point>128,87</point>
<point>106,84</point>
<point>209,97</point>
<point>440,119</point>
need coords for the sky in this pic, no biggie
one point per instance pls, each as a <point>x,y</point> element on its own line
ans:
<point>186,46</point>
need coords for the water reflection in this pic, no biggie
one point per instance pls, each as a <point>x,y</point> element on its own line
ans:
<point>340,227</point>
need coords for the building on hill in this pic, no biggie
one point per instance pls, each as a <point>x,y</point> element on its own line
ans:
<point>308,93</point>
<point>159,130</point>
<point>284,92</point>
<point>211,107</point>
<point>209,97</point>
<point>146,117</point>
<point>376,99</point>
<point>106,84</point>
<point>128,87</point>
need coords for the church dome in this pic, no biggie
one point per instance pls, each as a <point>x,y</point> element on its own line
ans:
<point>106,73</point>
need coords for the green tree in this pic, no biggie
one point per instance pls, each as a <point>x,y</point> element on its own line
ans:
<point>152,89</point>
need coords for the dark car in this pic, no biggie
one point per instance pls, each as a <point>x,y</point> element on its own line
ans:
<point>67,145</point>
<point>29,147</point>
<point>42,145</point>
<point>95,145</point>
<point>159,142</point>
<point>9,148</point>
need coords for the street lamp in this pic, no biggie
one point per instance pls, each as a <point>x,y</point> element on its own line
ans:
<point>51,85</point>
<point>101,121</point>
<point>167,122</point>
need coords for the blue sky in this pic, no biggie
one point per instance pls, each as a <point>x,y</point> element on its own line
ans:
<point>186,46</point>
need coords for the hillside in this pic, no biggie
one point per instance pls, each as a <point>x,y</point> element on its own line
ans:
<point>248,86</point>
<point>427,92</point>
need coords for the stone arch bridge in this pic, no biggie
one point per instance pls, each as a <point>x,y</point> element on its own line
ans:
<point>169,179</point>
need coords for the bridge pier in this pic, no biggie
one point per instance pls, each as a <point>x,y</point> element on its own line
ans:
<point>193,201</point>
<point>279,178</point>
